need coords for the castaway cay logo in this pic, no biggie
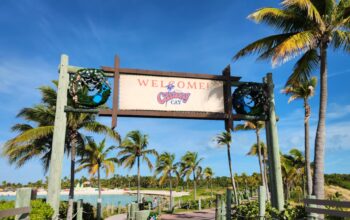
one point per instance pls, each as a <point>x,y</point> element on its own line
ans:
<point>172,96</point>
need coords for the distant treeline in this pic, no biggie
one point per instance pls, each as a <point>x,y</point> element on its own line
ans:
<point>118,181</point>
<point>342,180</point>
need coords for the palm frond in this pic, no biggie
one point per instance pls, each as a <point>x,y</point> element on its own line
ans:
<point>304,67</point>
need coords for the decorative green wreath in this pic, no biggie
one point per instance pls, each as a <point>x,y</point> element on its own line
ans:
<point>250,99</point>
<point>89,88</point>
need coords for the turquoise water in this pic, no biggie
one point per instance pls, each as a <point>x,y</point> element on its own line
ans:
<point>92,199</point>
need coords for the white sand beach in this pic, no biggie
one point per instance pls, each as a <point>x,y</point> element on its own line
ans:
<point>94,191</point>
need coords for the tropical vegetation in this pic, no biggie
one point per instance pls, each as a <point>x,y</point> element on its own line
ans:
<point>304,90</point>
<point>168,168</point>
<point>94,158</point>
<point>225,139</point>
<point>132,149</point>
<point>308,28</point>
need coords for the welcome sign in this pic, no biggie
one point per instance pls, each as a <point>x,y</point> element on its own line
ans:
<point>139,92</point>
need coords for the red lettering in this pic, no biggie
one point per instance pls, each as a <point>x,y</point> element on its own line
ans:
<point>143,82</point>
<point>201,85</point>
<point>191,86</point>
<point>181,84</point>
<point>154,83</point>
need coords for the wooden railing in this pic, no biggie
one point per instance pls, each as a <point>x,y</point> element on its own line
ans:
<point>22,212</point>
<point>311,207</point>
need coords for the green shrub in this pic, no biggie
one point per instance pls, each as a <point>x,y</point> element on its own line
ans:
<point>40,210</point>
<point>251,211</point>
<point>88,210</point>
<point>7,205</point>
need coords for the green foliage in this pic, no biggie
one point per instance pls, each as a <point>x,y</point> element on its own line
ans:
<point>342,180</point>
<point>4,205</point>
<point>153,216</point>
<point>251,211</point>
<point>40,210</point>
<point>88,210</point>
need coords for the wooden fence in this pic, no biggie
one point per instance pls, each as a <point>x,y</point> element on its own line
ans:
<point>22,205</point>
<point>327,207</point>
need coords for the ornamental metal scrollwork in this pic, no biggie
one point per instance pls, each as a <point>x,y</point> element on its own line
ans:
<point>89,88</point>
<point>250,99</point>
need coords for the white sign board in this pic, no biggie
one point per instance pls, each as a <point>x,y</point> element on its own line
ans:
<point>138,92</point>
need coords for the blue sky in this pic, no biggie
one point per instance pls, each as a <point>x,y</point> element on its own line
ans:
<point>190,36</point>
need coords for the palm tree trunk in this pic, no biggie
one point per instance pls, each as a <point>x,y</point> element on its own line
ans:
<point>231,174</point>
<point>307,147</point>
<point>261,166</point>
<point>171,194</point>
<point>211,187</point>
<point>99,205</point>
<point>320,139</point>
<point>138,180</point>
<point>194,186</point>
<point>72,175</point>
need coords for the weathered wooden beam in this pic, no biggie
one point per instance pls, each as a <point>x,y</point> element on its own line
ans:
<point>344,214</point>
<point>115,91</point>
<point>15,211</point>
<point>343,204</point>
<point>58,142</point>
<point>80,110</point>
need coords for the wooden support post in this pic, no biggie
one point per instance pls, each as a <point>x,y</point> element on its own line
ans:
<point>270,162</point>
<point>227,98</point>
<point>262,201</point>
<point>228,203</point>
<point>128,210</point>
<point>58,141</point>
<point>217,207</point>
<point>223,210</point>
<point>274,154</point>
<point>23,197</point>
<point>310,215</point>
<point>115,91</point>
<point>80,209</point>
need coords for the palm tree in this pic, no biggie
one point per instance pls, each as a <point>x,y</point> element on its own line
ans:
<point>256,126</point>
<point>208,175</point>
<point>304,90</point>
<point>168,168</point>
<point>94,158</point>
<point>190,165</point>
<point>293,166</point>
<point>308,28</point>
<point>253,151</point>
<point>225,139</point>
<point>133,147</point>
<point>36,141</point>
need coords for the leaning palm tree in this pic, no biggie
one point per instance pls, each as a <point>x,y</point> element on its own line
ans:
<point>208,176</point>
<point>36,141</point>
<point>308,28</point>
<point>190,166</point>
<point>254,151</point>
<point>304,90</point>
<point>168,169</point>
<point>132,149</point>
<point>225,139</point>
<point>94,158</point>
<point>256,126</point>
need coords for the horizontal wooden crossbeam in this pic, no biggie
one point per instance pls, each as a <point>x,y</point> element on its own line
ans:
<point>330,212</point>
<point>110,73</point>
<point>183,115</point>
<point>13,212</point>
<point>343,204</point>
